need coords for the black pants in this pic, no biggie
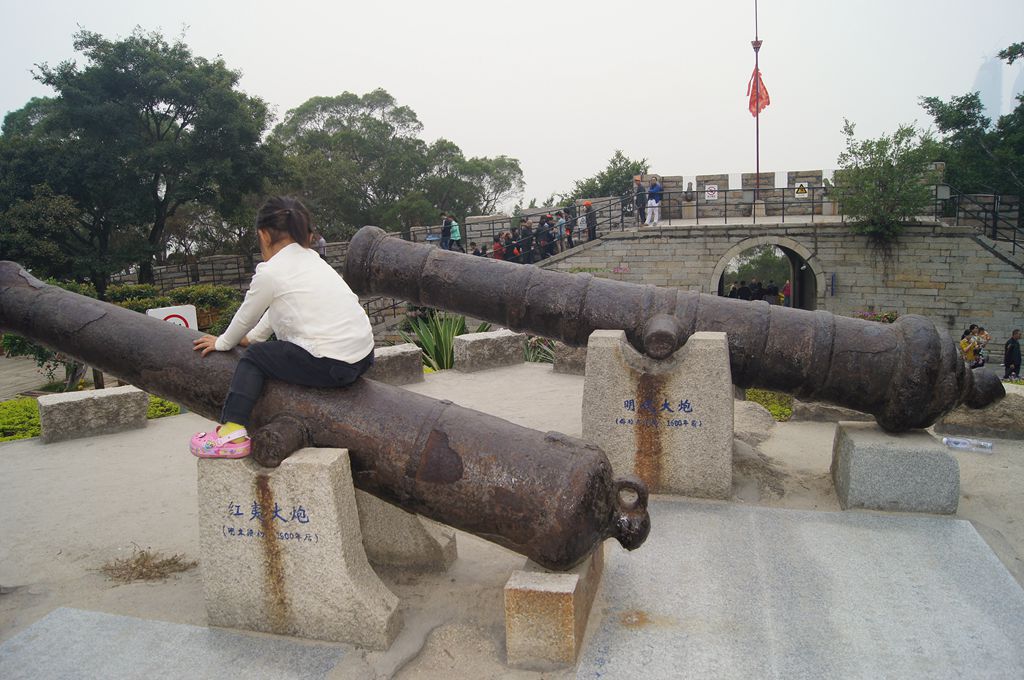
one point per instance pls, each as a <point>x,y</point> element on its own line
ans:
<point>286,362</point>
<point>641,212</point>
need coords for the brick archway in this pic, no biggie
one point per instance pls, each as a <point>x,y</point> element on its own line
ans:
<point>793,247</point>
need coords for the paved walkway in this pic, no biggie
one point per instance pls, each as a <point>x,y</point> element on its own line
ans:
<point>18,374</point>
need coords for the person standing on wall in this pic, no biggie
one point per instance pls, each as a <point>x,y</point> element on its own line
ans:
<point>446,231</point>
<point>787,293</point>
<point>591,215</point>
<point>455,233</point>
<point>640,200</point>
<point>654,192</point>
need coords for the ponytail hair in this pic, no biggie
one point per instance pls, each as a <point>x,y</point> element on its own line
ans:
<point>284,216</point>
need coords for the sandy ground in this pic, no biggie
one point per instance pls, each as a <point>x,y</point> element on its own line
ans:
<point>71,507</point>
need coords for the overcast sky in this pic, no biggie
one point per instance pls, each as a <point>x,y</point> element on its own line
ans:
<point>560,85</point>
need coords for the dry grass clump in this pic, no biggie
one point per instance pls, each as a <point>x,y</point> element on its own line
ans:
<point>144,565</point>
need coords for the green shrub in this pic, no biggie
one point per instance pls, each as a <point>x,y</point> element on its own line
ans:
<point>86,289</point>
<point>120,292</point>
<point>206,296</point>
<point>19,419</point>
<point>159,408</point>
<point>778,404</point>
<point>226,314</point>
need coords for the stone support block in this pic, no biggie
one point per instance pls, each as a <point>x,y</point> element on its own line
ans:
<point>546,613</point>
<point>397,365</point>
<point>669,422</point>
<point>901,472</point>
<point>282,551</point>
<point>571,360</point>
<point>393,537</point>
<point>73,415</point>
<point>481,351</point>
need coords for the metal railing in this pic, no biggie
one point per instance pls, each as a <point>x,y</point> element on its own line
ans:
<point>998,218</point>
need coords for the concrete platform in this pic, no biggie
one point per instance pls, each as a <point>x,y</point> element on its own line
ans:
<point>71,643</point>
<point>726,591</point>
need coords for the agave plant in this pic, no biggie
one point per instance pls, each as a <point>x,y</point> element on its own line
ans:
<point>540,350</point>
<point>435,335</point>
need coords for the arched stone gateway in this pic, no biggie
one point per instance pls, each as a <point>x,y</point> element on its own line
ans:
<point>806,272</point>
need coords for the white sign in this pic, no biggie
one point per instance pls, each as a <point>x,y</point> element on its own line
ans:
<point>182,315</point>
<point>710,192</point>
<point>801,190</point>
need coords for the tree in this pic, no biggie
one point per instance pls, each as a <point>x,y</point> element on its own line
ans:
<point>46,174</point>
<point>882,183</point>
<point>154,127</point>
<point>497,180</point>
<point>615,180</point>
<point>359,160</point>
<point>352,157</point>
<point>979,156</point>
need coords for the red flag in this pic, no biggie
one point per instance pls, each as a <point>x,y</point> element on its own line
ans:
<point>758,102</point>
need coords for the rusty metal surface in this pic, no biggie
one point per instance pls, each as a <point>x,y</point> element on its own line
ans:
<point>547,496</point>
<point>905,374</point>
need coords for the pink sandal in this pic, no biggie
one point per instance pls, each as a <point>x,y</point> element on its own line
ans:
<point>209,445</point>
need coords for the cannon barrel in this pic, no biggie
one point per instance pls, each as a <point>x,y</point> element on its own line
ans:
<point>547,496</point>
<point>906,374</point>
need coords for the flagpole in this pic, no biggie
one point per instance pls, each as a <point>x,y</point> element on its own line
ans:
<point>756,44</point>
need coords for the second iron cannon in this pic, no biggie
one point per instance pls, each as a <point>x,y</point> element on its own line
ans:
<point>905,374</point>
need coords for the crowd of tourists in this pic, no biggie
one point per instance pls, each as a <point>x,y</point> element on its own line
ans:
<point>755,290</point>
<point>974,346</point>
<point>528,243</point>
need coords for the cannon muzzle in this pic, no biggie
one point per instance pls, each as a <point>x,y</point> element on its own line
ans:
<point>906,374</point>
<point>547,496</point>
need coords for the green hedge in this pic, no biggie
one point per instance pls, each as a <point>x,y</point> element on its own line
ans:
<point>778,404</point>
<point>141,304</point>
<point>205,296</point>
<point>119,292</point>
<point>19,419</point>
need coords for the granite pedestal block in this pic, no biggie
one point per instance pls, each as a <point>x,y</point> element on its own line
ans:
<point>670,422</point>
<point>73,415</point>
<point>546,612</point>
<point>397,365</point>
<point>282,552</point>
<point>393,537</point>
<point>901,472</point>
<point>481,351</point>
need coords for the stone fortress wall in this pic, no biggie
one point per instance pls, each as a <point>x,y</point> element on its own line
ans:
<point>953,274</point>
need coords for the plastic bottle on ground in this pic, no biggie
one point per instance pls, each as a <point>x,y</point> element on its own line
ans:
<point>965,444</point>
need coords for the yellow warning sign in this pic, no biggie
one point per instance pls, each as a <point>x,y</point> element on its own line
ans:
<point>801,190</point>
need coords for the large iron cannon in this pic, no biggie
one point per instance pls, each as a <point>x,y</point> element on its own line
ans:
<point>547,496</point>
<point>906,374</point>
